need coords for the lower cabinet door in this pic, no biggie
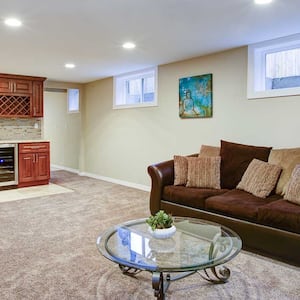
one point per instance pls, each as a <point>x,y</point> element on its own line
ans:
<point>42,166</point>
<point>34,168</point>
<point>26,167</point>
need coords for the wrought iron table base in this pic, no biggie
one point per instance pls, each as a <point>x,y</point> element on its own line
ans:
<point>161,284</point>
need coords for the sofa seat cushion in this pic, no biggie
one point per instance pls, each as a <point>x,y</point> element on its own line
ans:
<point>192,197</point>
<point>238,203</point>
<point>280,214</point>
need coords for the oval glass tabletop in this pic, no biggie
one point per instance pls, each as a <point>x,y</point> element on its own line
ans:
<point>197,244</point>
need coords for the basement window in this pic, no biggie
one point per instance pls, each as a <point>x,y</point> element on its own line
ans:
<point>73,100</point>
<point>136,89</point>
<point>274,68</point>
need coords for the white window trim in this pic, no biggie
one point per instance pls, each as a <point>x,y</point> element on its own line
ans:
<point>256,67</point>
<point>117,81</point>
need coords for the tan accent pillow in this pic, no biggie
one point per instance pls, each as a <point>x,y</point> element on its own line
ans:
<point>293,187</point>
<point>206,150</point>
<point>287,159</point>
<point>204,172</point>
<point>180,170</point>
<point>259,178</point>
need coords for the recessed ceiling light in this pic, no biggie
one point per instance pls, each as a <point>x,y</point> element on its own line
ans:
<point>12,22</point>
<point>69,66</point>
<point>263,1</point>
<point>128,45</point>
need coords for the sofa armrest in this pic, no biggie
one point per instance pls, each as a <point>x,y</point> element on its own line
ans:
<point>161,174</point>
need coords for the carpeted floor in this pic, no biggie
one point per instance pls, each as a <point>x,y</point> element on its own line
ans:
<point>48,251</point>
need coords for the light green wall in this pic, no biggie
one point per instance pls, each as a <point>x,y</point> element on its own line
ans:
<point>120,144</point>
<point>62,128</point>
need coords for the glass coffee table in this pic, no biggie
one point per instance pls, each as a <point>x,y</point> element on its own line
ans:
<point>198,246</point>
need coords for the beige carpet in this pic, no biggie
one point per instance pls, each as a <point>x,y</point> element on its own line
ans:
<point>48,251</point>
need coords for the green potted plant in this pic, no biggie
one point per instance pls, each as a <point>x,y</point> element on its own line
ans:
<point>161,225</point>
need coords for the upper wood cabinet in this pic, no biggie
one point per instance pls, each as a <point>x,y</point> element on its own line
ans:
<point>38,99</point>
<point>21,96</point>
<point>17,86</point>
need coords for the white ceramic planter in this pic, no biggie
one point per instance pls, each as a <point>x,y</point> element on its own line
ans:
<point>163,233</point>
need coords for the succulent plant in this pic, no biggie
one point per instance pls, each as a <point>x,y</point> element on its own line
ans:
<point>160,220</point>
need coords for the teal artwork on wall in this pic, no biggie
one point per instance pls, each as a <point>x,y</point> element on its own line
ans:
<point>195,96</point>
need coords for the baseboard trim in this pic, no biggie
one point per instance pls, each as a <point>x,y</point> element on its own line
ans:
<point>104,178</point>
<point>54,167</point>
<point>117,181</point>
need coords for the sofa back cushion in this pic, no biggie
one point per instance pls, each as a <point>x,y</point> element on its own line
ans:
<point>260,178</point>
<point>287,159</point>
<point>235,159</point>
<point>207,150</point>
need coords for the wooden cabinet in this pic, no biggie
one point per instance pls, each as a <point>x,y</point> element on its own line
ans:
<point>21,96</point>
<point>34,163</point>
<point>38,99</point>
<point>17,86</point>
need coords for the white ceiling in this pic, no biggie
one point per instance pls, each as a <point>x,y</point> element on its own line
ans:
<point>90,33</point>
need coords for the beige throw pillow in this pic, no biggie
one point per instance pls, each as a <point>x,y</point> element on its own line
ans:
<point>180,170</point>
<point>287,159</point>
<point>259,178</point>
<point>293,187</point>
<point>204,172</point>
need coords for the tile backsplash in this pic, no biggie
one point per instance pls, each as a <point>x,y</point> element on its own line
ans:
<point>20,129</point>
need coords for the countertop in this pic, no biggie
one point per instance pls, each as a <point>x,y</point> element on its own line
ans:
<point>21,141</point>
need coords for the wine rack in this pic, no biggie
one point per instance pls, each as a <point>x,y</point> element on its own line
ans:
<point>13,105</point>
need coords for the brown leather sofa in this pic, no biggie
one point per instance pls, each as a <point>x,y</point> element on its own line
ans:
<point>269,226</point>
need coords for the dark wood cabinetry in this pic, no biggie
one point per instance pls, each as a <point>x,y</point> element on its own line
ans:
<point>34,163</point>
<point>21,96</point>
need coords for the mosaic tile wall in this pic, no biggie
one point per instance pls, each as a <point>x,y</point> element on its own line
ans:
<point>20,129</point>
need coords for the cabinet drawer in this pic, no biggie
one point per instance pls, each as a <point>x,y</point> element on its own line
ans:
<point>33,147</point>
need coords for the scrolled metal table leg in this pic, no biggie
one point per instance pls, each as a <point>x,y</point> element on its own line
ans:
<point>221,274</point>
<point>129,271</point>
<point>158,285</point>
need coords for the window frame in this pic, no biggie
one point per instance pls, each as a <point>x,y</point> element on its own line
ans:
<point>119,88</point>
<point>257,67</point>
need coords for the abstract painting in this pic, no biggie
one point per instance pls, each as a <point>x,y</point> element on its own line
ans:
<point>195,96</point>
